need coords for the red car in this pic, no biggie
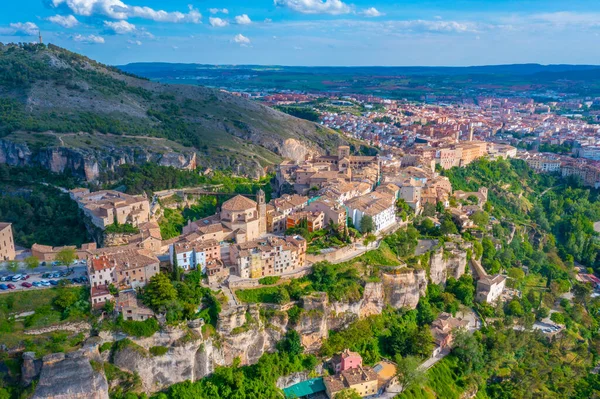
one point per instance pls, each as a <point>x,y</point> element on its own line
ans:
<point>26,285</point>
<point>25,277</point>
<point>11,286</point>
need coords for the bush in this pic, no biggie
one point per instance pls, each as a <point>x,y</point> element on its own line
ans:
<point>145,328</point>
<point>269,280</point>
<point>158,350</point>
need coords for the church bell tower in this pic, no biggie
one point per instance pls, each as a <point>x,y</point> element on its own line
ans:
<point>262,212</point>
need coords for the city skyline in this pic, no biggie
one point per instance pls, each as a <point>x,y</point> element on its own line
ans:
<point>313,32</point>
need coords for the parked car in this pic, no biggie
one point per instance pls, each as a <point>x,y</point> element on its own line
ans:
<point>46,275</point>
<point>3,287</point>
<point>75,280</point>
<point>17,277</point>
<point>7,278</point>
<point>45,283</point>
<point>53,282</point>
<point>11,286</point>
<point>37,284</point>
<point>43,263</point>
<point>84,279</point>
<point>26,284</point>
<point>26,277</point>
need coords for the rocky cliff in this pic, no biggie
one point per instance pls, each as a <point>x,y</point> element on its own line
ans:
<point>89,162</point>
<point>404,287</point>
<point>74,113</point>
<point>70,376</point>
<point>248,331</point>
<point>445,263</point>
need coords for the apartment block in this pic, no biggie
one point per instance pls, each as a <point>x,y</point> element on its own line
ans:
<point>379,206</point>
<point>195,254</point>
<point>271,256</point>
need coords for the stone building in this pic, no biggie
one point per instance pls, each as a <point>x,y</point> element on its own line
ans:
<point>362,379</point>
<point>240,219</point>
<point>126,268</point>
<point>271,256</point>
<point>194,254</point>
<point>490,288</point>
<point>379,206</point>
<point>7,244</point>
<point>324,170</point>
<point>108,206</point>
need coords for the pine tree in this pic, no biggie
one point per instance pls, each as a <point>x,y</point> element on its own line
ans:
<point>176,268</point>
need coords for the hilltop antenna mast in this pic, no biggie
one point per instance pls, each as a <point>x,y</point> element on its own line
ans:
<point>40,37</point>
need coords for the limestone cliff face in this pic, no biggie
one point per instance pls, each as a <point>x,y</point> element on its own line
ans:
<point>87,162</point>
<point>297,150</point>
<point>189,357</point>
<point>404,288</point>
<point>446,263</point>
<point>246,332</point>
<point>70,376</point>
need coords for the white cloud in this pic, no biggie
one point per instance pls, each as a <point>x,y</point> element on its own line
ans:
<point>218,10</point>
<point>268,20</point>
<point>117,9</point>
<point>333,7</point>
<point>66,21</point>
<point>243,19</point>
<point>241,39</point>
<point>217,22</point>
<point>136,42</point>
<point>89,39</point>
<point>119,27</point>
<point>20,29</point>
<point>371,12</point>
<point>436,26</point>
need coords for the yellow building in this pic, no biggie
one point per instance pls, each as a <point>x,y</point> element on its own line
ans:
<point>7,245</point>
<point>362,379</point>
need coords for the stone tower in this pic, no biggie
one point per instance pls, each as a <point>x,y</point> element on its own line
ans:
<point>343,151</point>
<point>262,212</point>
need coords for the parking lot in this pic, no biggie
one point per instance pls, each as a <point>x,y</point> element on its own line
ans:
<point>42,277</point>
<point>547,327</point>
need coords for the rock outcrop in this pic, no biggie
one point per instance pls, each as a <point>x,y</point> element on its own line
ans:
<point>70,376</point>
<point>404,287</point>
<point>245,331</point>
<point>88,162</point>
<point>30,368</point>
<point>445,263</point>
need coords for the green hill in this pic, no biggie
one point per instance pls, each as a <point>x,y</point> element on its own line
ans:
<point>65,111</point>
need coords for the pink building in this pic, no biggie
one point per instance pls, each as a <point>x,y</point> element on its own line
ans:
<point>345,361</point>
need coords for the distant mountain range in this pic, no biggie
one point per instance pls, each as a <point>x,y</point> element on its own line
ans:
<point>157,69</point>
<point>65,111</point>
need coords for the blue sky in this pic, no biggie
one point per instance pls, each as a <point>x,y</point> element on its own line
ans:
<point>313,32</point>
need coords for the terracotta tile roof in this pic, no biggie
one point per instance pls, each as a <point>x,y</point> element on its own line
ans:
<point>238,203</point>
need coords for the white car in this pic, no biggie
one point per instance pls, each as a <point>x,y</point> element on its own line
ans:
<point>17,277</point>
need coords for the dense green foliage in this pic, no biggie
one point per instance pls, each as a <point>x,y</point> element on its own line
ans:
<point>245,382</point>
<point>117,228</point>
<point>539,203</point>
<point>181,300</point>
<point>145,328</point>
<point>42,214</point>
<point>301,112</point>
<point>150,177</point>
